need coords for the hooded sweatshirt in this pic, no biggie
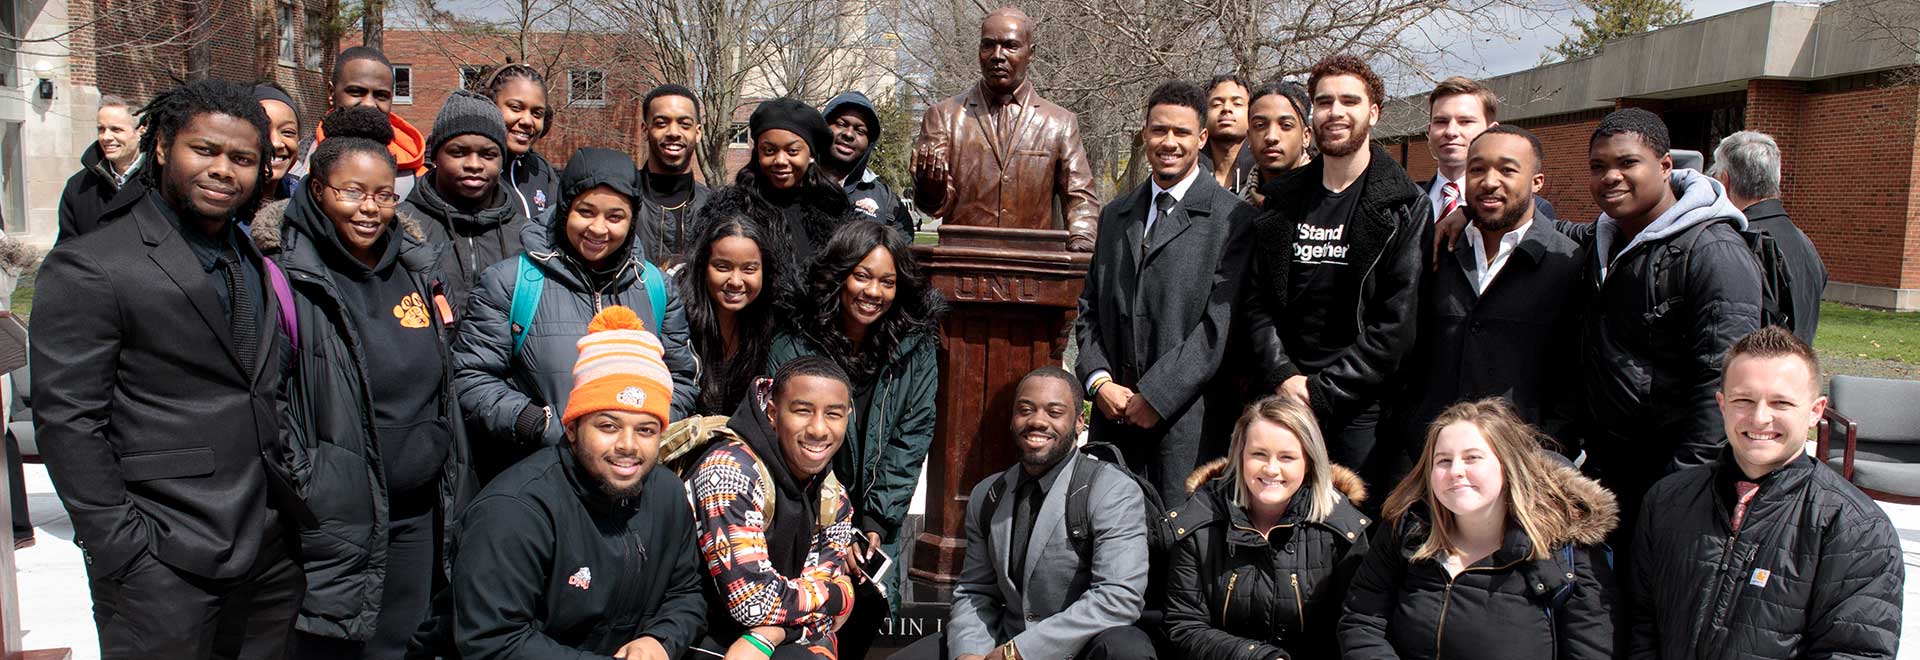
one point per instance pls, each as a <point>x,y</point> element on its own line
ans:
<point>409,149</point>
<point>1699,198</point>
<point>869,197</point>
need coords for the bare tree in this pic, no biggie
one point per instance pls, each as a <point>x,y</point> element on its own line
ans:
<point>735,52</point>
<point>1100,58</point>
<point>1894,22</point>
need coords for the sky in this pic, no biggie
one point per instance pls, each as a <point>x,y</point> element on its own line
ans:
<point>1485,56</point>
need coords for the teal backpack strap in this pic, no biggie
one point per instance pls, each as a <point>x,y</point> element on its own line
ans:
<point>527,285</point>
<point>656,293</point>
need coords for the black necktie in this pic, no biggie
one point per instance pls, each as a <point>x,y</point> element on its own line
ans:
<point>1026,507</point>
<point>1164,202</point>
<point>246,330</point>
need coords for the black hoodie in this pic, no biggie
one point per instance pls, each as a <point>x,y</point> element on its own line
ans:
<point>867,195</point>
<point>473,241</point>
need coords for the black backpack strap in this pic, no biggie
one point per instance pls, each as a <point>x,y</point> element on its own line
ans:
<point>1079,493</point>
<point>995,492</point>
<point>1670,274</point>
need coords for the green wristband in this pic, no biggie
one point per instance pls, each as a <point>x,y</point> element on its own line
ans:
<point>758,643</point>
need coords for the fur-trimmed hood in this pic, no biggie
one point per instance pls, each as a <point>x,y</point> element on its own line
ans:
<point>1346,481</point>
<point>269,226</point>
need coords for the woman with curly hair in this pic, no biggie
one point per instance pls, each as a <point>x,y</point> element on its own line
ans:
<point>1491,548</point>
<point>868,306</point>
<point>726,289</point>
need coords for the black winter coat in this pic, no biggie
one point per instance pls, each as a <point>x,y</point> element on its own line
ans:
<point>1813,572</point>
<point>1651,367</point>
<point>1386,234</point>
<point>1498,608</point>
<point>1516,341</point>
<point>532,184</point>
<point>548,567</point>
<point>473,241</point>
<point>92,195</point>
<point>1235,594</point>
<point>327,429</point>
<point>1808,275</point>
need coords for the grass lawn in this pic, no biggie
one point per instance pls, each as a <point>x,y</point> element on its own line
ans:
<point>22,303</point>
<point>1869,334</point>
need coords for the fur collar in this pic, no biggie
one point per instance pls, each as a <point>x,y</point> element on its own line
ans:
<point>269,233</point>
<point>1346,481</point>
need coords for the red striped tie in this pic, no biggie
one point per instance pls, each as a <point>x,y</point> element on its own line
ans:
<point>1450,196</point>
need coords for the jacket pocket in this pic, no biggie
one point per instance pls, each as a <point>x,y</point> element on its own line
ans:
<point>167,464</point>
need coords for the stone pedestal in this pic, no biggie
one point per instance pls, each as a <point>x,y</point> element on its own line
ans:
<point>1013,294</point>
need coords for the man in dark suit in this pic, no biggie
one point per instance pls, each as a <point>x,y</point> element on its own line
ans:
<point>1026,590</point>
<point>1748,164</point>
<point>1497,318</point>
<point>1158,300</point>
<point>158,361</point>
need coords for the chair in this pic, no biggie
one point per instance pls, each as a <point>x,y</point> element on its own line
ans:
<point>20,416</point>
<point>1879,436</point>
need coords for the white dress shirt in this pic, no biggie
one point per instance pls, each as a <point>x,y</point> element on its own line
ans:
<point>1484,272</point>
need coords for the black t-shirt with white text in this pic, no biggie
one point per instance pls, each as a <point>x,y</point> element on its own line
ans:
<point>1324,284</point>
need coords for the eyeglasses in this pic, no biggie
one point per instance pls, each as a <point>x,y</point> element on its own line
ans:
<point>384,199</point>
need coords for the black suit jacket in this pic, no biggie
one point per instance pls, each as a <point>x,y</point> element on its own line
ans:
<point>1159,325</point>
<point>153,434</point>
<point>1808,274</point>
<point>1518,340</point>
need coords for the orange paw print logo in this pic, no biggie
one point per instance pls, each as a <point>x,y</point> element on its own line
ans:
<point>412,312</point>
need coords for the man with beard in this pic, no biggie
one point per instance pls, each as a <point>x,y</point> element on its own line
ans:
<point>586,548</point>
<point>669,197</point>
<point>1024,590</point>
<point>998,155</point>
<point>158,353</point>
<point>1336,274</point>
<point>856,133</point>
<point>1278,133</point>
<point>1227,156</point>
<point>1458,110</point>
<point>1158,302</point>
<point>775,526</point>
<point>1497,319</point>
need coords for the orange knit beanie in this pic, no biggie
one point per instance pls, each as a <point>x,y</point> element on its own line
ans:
<point>620,368</point>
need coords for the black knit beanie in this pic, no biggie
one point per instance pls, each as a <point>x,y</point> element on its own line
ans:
<point>595,166</point>
<point>792,115</point>
<point>467,113</point>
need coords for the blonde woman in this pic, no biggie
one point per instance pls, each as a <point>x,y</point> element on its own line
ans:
<point>1266,543</point>
<point>1492,550</point>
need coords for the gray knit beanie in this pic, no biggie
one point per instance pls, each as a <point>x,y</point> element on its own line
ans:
<point>467,113</point>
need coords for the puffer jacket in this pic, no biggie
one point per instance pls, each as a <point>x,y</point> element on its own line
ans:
<point>880,465</point>
<point>1651,367</point>
<point>1500,607</point>
<point>531,183</point>
<point>1385,242</point>
<point>473,241</point>
<point>504,393</point>
<point>327,427</point>
<point>1234,593</point>
<point>550,567</point>
<point>1814,570</point>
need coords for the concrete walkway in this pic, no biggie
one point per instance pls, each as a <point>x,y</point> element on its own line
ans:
<point>56,610</point>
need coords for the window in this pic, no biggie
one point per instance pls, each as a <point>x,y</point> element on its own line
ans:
<point>289,39</point>
<point>473,77</point>
<point>403,84</point>
<point>316,40</point>
<point>586,87</point>
<point>738,136</point>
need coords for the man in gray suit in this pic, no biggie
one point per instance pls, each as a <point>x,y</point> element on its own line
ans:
<point>1158,300</point>
<point>1026,590</point>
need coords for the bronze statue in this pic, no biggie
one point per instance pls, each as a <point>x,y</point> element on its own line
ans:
<point>998,155</point>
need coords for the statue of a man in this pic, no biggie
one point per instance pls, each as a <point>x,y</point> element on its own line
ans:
<point>998,155</point>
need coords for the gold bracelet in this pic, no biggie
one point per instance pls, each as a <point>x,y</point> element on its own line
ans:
<point>1009,652</point>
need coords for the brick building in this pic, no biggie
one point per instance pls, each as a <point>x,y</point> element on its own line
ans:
<point>1833,95</point>
<point>134,49</point>
<point>594,82</point>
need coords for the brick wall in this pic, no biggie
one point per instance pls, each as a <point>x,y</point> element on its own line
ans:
<point>139,51</point>
<point>436,58</point>
<point>1850,173</point>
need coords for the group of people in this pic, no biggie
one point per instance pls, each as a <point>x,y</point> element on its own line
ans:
<point>369,393</point>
